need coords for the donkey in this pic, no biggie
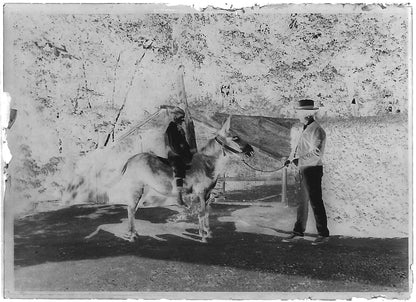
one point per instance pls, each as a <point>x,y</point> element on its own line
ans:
<point>147,180</point>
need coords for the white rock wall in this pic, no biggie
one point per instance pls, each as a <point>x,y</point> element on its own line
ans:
<point>366,176</point>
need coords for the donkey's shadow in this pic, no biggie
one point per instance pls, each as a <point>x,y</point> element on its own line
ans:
<point>150,229</point>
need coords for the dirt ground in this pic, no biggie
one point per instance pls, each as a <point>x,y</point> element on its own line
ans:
<point>52,256</point>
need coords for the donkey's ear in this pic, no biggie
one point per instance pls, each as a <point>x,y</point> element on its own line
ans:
<point>226,126</point>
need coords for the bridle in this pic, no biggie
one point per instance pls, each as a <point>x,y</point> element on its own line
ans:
<point>226,147</point>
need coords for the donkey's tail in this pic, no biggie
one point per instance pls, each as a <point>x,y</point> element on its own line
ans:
<point>123,170</point>
<point>124,167</point>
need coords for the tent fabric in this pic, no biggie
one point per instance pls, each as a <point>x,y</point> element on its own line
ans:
<point>269,134</point>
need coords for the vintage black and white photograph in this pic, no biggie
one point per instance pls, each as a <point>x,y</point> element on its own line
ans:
<point>156,151</point>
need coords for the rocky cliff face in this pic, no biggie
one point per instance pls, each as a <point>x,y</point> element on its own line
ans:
<point>366,180</point>
<point>74,77</point>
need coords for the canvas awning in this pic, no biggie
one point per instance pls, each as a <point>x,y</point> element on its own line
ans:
<point>269,134</point>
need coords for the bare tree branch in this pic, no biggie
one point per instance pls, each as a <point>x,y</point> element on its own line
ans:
<point>130,84</point>
<point>115,77</point>
<point>86,94</point>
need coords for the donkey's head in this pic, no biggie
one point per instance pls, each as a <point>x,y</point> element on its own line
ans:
<point>232,143</point>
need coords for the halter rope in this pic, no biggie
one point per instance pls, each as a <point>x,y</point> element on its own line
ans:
<point>247,164</point>
<point>266,171</point>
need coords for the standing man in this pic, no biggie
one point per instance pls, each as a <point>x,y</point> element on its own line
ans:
<point>308,158</point>
<point>179,151</point>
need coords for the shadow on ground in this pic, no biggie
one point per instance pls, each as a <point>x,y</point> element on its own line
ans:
<point>58,236</point>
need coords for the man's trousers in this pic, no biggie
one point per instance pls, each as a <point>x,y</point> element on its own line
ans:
<point>311,190</point>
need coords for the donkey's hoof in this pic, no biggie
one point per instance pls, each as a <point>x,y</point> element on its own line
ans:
<point>130,236</point>
<point>204,240</point>
<point>205,234</point>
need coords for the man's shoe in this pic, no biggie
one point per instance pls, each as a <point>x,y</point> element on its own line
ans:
<point>292,238</point>
<point>320,240</point>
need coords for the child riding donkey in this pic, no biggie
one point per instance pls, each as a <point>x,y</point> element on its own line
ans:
<point>179,151</point>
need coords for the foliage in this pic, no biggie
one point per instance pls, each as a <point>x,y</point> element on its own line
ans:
<point>74,75</point>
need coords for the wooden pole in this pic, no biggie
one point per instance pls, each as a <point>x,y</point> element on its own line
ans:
<point>189,123</point>
<point>284,187</point>
<point>223,184</point>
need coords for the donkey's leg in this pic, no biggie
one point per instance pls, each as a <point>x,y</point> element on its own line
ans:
<point>201,217</point>
<point>206,220</point>
<point>208,199</point>
<point>131,231</point>
<point>131,212</point>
